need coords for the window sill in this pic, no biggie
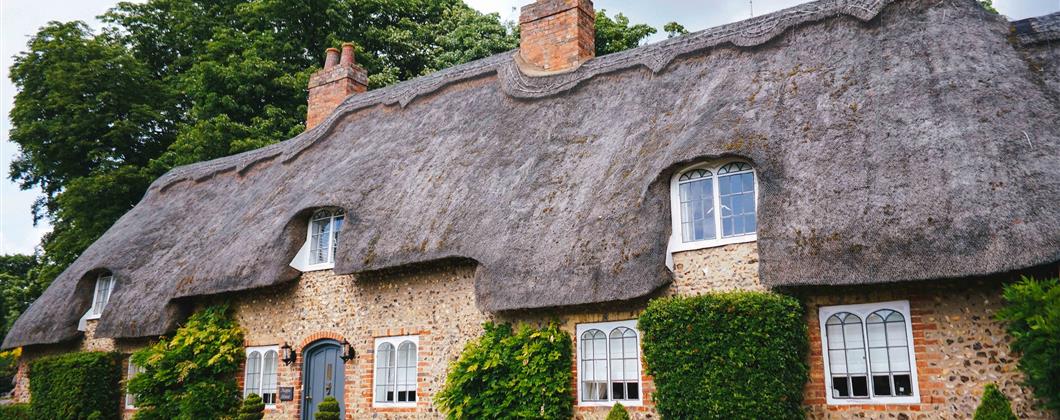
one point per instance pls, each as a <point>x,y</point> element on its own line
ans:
<point>93,317</point>
<point>874,401</point>
<point>626,403</point>
<point>394,405</point>
<point>678,246</point>
<point>318,267</point>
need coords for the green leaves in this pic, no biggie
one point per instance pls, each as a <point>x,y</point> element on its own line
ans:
<point>726,355</point>
<point>1032,314</point>
<point>614,35</point>
<point>511,375</point>
<point>993,406</point>
<point>76,385</point>
<point>192,374</point>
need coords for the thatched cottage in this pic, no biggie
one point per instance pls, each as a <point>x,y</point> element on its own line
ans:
<point>892,163</point>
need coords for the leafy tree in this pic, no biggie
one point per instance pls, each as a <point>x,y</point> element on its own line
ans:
<point>989,6</point>
<point>98,116</point>
<point>674,29</point>
<point>614,35</point>
<point>18,288</point>
<point>1032,314</point>
<point>993,406</point>
<point>191,375</point>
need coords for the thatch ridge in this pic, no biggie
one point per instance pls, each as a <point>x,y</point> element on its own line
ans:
<point>916,144</point>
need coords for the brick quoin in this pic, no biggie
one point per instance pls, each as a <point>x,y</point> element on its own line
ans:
<point>557,35</point>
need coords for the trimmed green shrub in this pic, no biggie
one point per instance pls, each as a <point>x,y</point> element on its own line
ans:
<point>504,374</point>
<point>191,375</point>
<point>253,408</point>
<point>73,385</point>
<point>618,412</point>
<point>727,355</point>
<point>17,411</point>
<point>993,406</point>
<point>328,409</point>
<point>1032,314</point>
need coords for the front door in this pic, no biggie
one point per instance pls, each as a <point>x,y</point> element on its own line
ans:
<point>322,376</point>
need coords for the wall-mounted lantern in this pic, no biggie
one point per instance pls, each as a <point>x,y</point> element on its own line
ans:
<point>347,351</point>
<point>287,354</point>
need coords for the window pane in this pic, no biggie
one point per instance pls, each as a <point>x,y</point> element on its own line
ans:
<point>268,378</point>
<point>899,359</point>
<point>737,203</point>
<point>852,332</point>
<point>856,361</point>
<point>876,335</point>
<point>618,390</point>
<point>697,205</point>
<point>881,385</point>
<point>878,358</point>
<point>385,366</point>
<point>835,336</point>
<point>903,385</point>
<point>252,382</point>
<point>860,386</point>
<point>896,333</point>
<point>837,360</point>
<point>632,390</point>
<point>840,387</point>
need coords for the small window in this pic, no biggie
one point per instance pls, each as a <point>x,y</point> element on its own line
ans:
<point>131,372</point>
<point>867,353</point>
<point>324,229</point>
<point>101,295</point>
<point>609,363</point>
<point>395,371</point>
<point>714,205</point>
<point>261,373</point>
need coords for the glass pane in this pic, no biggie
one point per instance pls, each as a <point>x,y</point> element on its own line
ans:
<point>837,361</point>
<point>903,385</point>
<point>856,361</point>
<point>618,390</point>
<point>853,336</point>
<point>859,386</point>
<point>840,387</point>
<point>630,368</point>
<point>633,390</point>
<point>252,382</point>
<point>878,358</point>
<point>881,385</point>
<point>876,335</point>
<point>896,333</point>
<point>899,359</point>
<point>835,336</point>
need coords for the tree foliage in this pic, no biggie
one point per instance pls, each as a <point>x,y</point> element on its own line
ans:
<point>18,288</point>
<point>993,405</point>
<point>253,408</point>
<point>1032,314</point>
<point>191,375</point>
<point>506,374</point>
<point>99,116</point>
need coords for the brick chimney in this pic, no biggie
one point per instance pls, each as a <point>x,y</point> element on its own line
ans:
<point>339,78</point>
<point>557,35</point>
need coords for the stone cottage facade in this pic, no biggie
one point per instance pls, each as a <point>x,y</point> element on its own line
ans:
<point>890,163</point>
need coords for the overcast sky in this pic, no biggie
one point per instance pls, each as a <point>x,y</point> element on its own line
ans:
<point>20,18</point>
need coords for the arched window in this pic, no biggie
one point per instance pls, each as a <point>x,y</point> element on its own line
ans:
<point>889,353</point>
<point>261,373</point>
<point>846,356</point>
<point>324,229</point>
<point>868,353</point>
<point>396,371</point>
<point>101,294</point>
<point>625,365</point>
<point>609,363</point>
<point>594,365</point>
<point>714,205</point>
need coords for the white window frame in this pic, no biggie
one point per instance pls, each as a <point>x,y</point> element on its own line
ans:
<point>677,243</point>
<point>131,371</point>
<point>96,312</point>
<point>607,328</point>
<point>303,261</point>
<point>863,311</point>
<point>395,341</point>
<point>261,374</point>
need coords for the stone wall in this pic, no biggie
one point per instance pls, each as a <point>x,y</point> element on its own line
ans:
<point>958,345</point>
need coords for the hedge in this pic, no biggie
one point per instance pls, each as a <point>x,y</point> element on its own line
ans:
<point>1032,314</point>
<point>16,411</point>
<point>726,355</point>
<point>503,374</point>
<point>74,385</point>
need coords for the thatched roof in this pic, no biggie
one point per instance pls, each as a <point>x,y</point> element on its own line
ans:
<point>893,142</point>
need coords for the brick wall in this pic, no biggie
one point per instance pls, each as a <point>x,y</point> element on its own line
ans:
<point>330,86</point>
<point>557,35</point>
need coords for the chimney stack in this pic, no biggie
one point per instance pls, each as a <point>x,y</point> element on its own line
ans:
<point>340,77</point>
<point>557,35</point>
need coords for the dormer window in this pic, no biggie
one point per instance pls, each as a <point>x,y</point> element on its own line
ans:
<point>714,204</point>
<point>318,252</point>
<point>104,285</point>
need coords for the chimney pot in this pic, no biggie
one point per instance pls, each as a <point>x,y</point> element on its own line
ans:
<point>557,35</point>
<point>339,78</point>
<point>347,54</point>
<point>332,58</point>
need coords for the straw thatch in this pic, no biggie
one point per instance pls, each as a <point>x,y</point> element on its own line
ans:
<point>893,142</point>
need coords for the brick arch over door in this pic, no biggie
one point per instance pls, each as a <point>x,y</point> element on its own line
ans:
<point>297,368</point>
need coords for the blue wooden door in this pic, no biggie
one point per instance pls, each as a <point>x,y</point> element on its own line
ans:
<point>322,376</point>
